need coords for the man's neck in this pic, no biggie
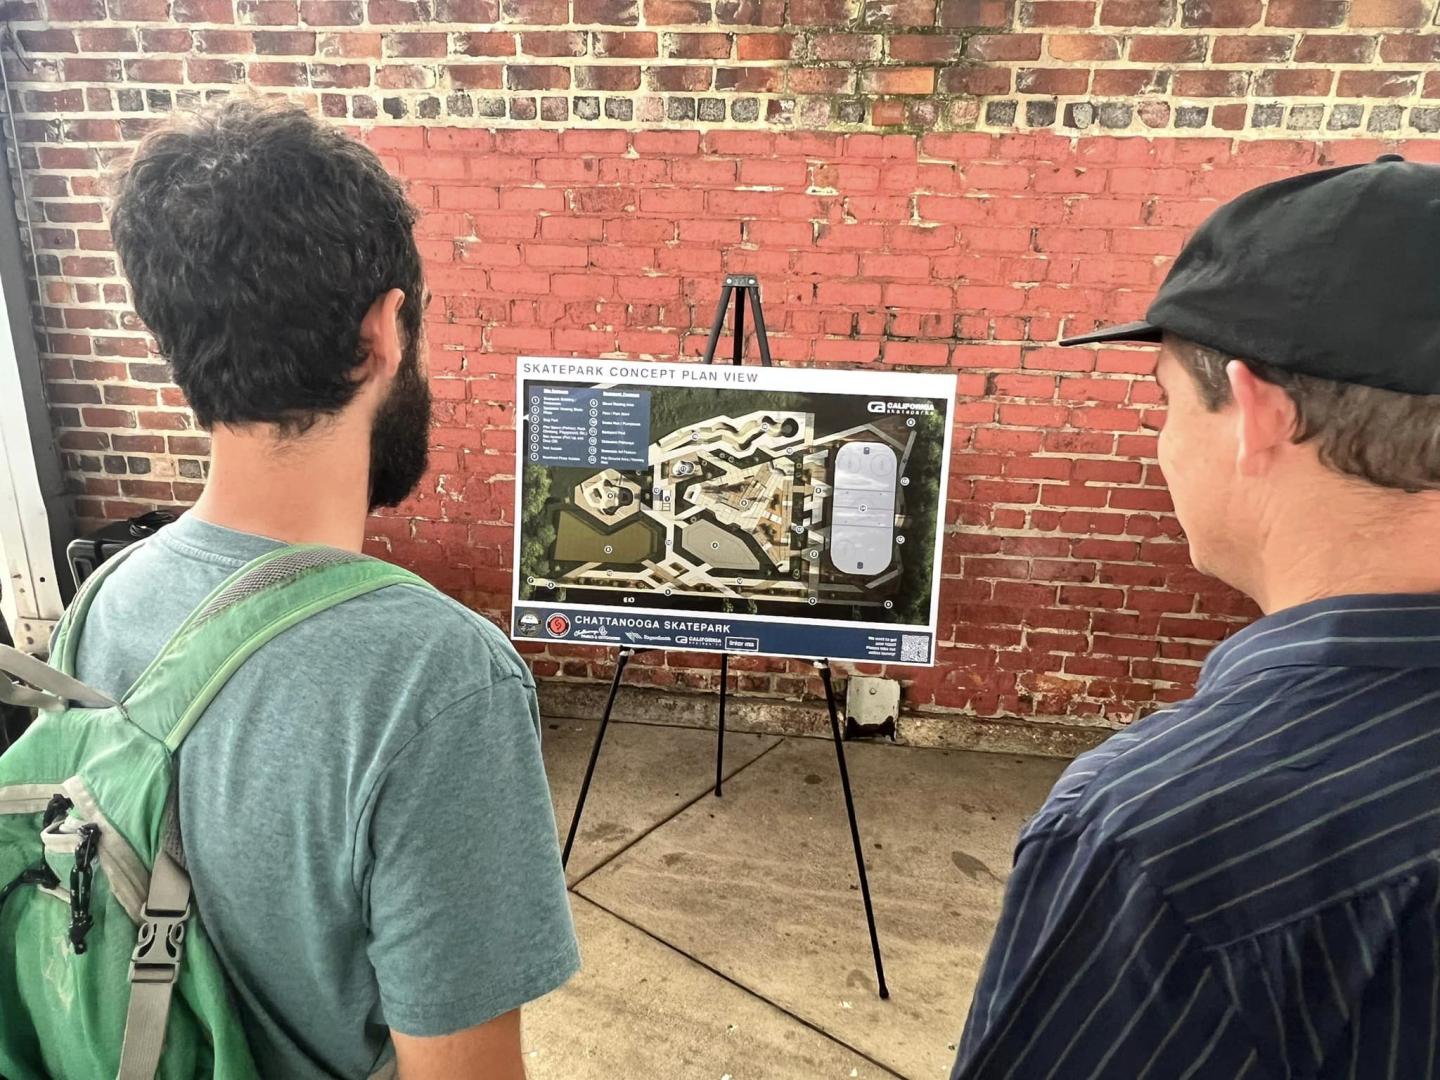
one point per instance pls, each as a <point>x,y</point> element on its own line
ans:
<point>1378,544</point>
<point>308,490</point>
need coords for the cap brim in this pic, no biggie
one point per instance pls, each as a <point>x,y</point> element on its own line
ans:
<point>1135,331</point>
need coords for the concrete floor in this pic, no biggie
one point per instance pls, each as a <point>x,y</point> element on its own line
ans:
<point>724,939</point>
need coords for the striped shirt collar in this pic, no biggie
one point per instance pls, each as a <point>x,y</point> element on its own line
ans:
<point>1392,631</point>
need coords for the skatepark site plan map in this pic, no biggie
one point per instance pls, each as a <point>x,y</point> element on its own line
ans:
<point>721,508</point>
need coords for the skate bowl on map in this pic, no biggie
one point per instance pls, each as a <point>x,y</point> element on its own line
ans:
<point>862,530</point>
<point>716,547</point>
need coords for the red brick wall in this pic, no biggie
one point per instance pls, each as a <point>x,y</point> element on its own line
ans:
<point>917,187</point>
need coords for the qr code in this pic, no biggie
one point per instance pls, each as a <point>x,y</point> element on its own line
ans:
<point>915,648</point>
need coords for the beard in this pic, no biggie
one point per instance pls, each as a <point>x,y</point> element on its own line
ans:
<point>400,439</point>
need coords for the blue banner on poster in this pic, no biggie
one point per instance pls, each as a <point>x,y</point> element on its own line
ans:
<point>722,634</point>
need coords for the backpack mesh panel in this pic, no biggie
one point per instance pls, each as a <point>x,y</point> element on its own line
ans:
<point>272,573</point>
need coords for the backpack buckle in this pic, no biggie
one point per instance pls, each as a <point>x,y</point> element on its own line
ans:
<point>160,945</point>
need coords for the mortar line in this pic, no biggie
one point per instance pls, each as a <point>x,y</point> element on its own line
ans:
<point>887,1070</point>
<point>779,741</point>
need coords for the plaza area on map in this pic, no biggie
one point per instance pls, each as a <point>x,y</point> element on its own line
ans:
<point>719,499</point>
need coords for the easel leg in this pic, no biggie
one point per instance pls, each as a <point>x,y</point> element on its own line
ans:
<point>720,745</point>
<point>620,663</point>
<point>824,668</point>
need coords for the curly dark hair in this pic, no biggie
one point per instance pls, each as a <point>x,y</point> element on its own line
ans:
<point>255,239</point>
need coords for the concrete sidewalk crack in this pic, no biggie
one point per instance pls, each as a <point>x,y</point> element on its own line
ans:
<point>709,790</point>
<point>884,1069</point>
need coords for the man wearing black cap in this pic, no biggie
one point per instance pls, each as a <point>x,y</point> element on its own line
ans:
<point>1248,884</point>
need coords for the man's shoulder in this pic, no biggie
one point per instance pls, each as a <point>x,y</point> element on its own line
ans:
<point>1164,772</point>
<point>432,628</point>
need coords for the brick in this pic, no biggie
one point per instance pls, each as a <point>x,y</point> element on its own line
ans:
<point>386,12</point>
<point>536,77</point>
<point>1004,47</point>
<point>1211,83</point>
<point>284,42</point>
<point>858,48</point>
<point>536,12</point>
<point>63,41</point>
<point>1136,13</point>
<point>329,76</point>
<point>552,43</point>
<point>678,78</point>
<point>1083,47</point>
<point>279,74</point>
<point>214,71</point>
<point>1294,82</point>
<point>466,11</point>
<point>406,45</point>
<point>766,46</point>
<point>1169,48</point>
<point>1129,82</point>
<point>1377,84</point>
<point>1252,49</point>
<point>331,12</point>
<point>819,12</point>
<point>1389,13</point>
<point>1062,82</point>
<point>1306,13</point>
<point>1224,13</point>
<point>610,77</point>
<point>1410,48</point>
<point>475,76</point>
<point>1057,13</point>
<point>677,12</point>
<point>699,46</point>
<point>826,80</point>
<point>1335,49</point>
<point>607,12</point>
<point>750,12</point>
<point>267,12</point>
<point>899,81</point>
<point>162,71</point>
<point>161,39</point>
<point>224,41</point>
<point>898,13</point>
<point>627,45</point>
<point>976,13</point>
<point>486,44</point>
<point>76,10</point>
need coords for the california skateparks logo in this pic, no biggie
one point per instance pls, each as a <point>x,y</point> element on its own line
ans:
<point>558,624</point>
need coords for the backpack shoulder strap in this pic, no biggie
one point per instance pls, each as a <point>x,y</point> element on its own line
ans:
<point>258,602</point>
<point>266,597</point>
<point>67,635</point>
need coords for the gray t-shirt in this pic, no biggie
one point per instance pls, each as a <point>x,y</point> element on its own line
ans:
<point>364,811</point>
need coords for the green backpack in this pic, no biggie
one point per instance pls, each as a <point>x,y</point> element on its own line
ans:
<point>105,967</point>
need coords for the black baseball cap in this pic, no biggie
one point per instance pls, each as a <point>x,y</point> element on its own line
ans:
<point>1333,273</point>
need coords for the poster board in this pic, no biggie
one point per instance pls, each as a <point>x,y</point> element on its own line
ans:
<point>718,508</point>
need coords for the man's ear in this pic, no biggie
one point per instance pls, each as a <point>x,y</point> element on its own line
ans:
<point>1265,416</point>
<point>381,336</point>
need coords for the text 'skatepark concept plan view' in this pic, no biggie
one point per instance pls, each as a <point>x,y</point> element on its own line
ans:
<point>730,509</point>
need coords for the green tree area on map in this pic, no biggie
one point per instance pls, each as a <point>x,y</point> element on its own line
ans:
<point>537,526</point>
<point>923,502</point>
<point>673,409</point>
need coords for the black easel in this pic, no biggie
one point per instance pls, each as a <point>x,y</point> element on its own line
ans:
<point>741,287</point>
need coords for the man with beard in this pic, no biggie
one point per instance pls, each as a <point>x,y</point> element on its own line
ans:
<point>364,807</point>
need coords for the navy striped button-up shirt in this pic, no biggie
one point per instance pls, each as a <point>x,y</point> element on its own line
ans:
<point>1246,885</point>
